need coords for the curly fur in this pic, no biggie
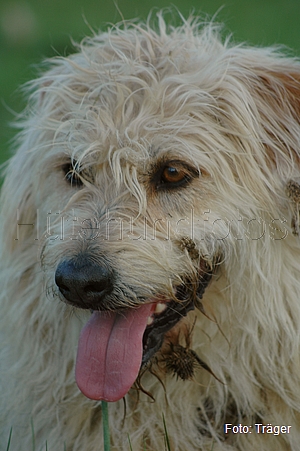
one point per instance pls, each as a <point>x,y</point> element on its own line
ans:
<point>129,100</point>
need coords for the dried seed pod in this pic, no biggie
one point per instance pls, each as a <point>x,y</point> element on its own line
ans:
<point>188,244</point>
<point>181,362</point>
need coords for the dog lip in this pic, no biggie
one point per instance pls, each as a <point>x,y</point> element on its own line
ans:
<point>162,322</point>
<point>175,310</point>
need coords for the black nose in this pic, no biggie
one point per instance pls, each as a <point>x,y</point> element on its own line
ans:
<point>84,283</point>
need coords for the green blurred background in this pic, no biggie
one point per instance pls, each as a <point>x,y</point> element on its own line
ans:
<point>35,29</point>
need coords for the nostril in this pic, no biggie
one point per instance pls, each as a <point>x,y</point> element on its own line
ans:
<point>59,280</point>
<point>97,287</point>
<point>84,283</point>
<point>63,287</point>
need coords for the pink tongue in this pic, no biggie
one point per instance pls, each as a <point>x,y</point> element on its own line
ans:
<point>110,352</point>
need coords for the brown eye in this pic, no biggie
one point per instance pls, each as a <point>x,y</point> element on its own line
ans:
<point>172,174</point>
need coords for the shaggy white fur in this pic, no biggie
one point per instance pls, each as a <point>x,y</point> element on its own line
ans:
<point>160,152</point>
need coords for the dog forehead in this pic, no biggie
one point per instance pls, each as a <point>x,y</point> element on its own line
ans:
<point>123,91</point>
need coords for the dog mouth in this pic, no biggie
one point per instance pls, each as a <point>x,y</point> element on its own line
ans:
<point>113,346</point>
<point>164,317</point>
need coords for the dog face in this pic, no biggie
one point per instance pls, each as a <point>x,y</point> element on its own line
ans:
<point>123,207</point>
<point>151,162</point>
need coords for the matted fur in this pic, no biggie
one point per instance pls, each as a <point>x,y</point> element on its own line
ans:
<point>130,99</point>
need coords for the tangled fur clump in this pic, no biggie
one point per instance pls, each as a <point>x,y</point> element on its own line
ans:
<point>170,160</point>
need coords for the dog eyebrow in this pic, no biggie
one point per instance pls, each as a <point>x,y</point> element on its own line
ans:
<point>157,169</point>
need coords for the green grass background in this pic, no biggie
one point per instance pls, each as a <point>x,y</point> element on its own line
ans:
<point>35,29</point>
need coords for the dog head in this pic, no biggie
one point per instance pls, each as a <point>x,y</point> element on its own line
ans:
<point>152,164</point>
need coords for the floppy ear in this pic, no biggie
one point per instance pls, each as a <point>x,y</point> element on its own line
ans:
<point>19,215</point>
<point>280,91</point>
<point>278,100</point>
<point>19,206</point>
<point>284,89</point>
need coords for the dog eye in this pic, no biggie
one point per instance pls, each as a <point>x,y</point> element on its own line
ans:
<point>72,177</point>
<point>174,175</point>
<point>171,174</point>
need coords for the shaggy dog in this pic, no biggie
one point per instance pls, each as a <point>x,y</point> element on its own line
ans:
<point>150,248</point>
